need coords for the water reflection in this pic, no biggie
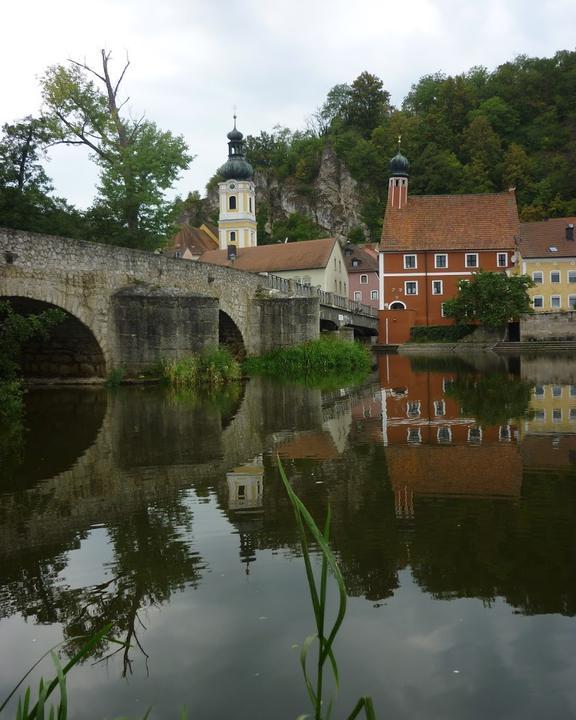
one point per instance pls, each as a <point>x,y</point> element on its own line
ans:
<point>457,478</point>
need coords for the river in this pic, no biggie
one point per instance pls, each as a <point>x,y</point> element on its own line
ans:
<point>452,488</point>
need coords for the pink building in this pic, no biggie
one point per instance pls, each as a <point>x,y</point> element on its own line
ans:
<point>362,265</point>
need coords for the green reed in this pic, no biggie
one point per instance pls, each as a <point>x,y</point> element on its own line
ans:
<point>211,367</point>
<point>324,635</point>
<point>327,355</point>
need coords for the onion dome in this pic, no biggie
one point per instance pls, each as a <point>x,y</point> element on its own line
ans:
<point>399,165</point>
<point>236,167</point>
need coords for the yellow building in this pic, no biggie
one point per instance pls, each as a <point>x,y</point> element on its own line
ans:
<point>552,410</point>
<point>547,253</point>
<point>237,217</point>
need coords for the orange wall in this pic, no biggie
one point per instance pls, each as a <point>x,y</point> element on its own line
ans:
<point>427,306</point>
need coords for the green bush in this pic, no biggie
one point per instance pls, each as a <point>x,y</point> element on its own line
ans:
<point>211,367</point>
<point>324,356</point>
<point>439,333</point>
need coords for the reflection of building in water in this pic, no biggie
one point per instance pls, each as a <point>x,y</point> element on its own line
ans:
<point>245,486</point>
<point>245,498</point>
<point>325,444</point>
<point>433,449</point>
<point>553,409</point>
<point>417,409</point>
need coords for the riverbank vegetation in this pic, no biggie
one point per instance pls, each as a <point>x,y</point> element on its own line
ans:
<point>212,368</point>
<point>324,357</point>
<point>491,299</point>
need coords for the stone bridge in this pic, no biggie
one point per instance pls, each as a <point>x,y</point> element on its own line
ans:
<point>130,308</point>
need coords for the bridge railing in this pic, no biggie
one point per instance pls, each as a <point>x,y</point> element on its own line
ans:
<point>290,287</point>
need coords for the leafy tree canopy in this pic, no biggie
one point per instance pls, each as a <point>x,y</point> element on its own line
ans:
<point>138,161</point>
<point>490,298</point>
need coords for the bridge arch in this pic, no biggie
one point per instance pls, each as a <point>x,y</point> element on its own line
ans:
<point>229,335</point>
<point>70,351</point>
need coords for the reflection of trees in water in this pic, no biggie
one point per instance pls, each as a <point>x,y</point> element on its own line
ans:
<point>491,399</point>
<point>521,551</point>
<point>152,560</point>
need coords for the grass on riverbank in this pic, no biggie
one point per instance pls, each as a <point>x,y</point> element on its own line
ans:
<point>327,356</point>
<point>213,367</point>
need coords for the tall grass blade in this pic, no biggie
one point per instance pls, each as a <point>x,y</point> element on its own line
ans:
<point>63,706</point>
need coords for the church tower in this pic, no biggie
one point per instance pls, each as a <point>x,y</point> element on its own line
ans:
<point>237,219</point>
<point>398,182</point>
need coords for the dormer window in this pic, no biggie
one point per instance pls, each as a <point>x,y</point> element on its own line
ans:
<point>355,262</point>
<point>553,248</point>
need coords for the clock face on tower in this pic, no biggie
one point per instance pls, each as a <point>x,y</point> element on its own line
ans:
<point>231,186</point>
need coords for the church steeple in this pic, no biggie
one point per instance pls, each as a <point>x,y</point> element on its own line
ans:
<point>237,220</point>
<point>398,182</point>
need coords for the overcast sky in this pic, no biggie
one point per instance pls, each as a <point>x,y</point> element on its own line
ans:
<point>192,61</point>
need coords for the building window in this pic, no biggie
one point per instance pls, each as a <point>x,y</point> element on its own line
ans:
<point>411,287</point>
<point>334,263</point>
<point>555,276</point>
<point>539,391</point>
<point>446,383</point>
<point>358,295</point>
<point>556,415</point>
<point>504,433</point>
<point>441,261</point>
<point>413,408</point>
<point>250,204</point>
<point>442,310</point>
<point>502,259</point>
<point>374,295</point>
<point>410,262</point>
<point>475,434</point>
<point>538,301</point>
<point>355,263</point>
<point>437,287</point>
<point>555,301</point>
<point>232,236</point>
<point>439,408</point>
<point>177,253</point>
<point>572,390</point>
<point>572,276</point>
<point>539,415</point>
<point>232,202</point>
<point>414,435</point>
<point>538,277</point>
<point>572,302</point>
<point>471,260</point>
<point>363,279</point>
<point>335,285</point>
<point>556,390</point>
<point>444,434</point>
<point>572,415</point>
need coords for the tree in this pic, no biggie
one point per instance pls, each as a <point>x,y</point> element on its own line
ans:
<point>368,103</point>
<point>138,161</point>
<point>490,298</point>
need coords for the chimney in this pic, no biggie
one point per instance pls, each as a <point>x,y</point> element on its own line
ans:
<point>570,231</point>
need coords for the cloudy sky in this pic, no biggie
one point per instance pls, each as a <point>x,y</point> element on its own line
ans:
<point>192,61</point>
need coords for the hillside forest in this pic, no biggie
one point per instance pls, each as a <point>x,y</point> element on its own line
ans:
<point>480,131</point>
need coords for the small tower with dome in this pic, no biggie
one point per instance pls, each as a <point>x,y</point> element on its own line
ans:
<point>398,182</point>
<point>237,218</point>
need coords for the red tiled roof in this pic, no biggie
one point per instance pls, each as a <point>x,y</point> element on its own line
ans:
<point>367,262</point>
<point>193,239</point>
<point>536,238</point>
<point>304,255</point>
<point>452,222</point>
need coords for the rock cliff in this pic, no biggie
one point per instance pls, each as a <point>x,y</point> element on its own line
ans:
<point>332,202</point>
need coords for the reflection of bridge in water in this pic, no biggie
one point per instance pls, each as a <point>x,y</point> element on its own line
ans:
<point>152,444</point>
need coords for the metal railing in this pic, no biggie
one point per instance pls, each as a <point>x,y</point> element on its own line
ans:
<point>292,288</point>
